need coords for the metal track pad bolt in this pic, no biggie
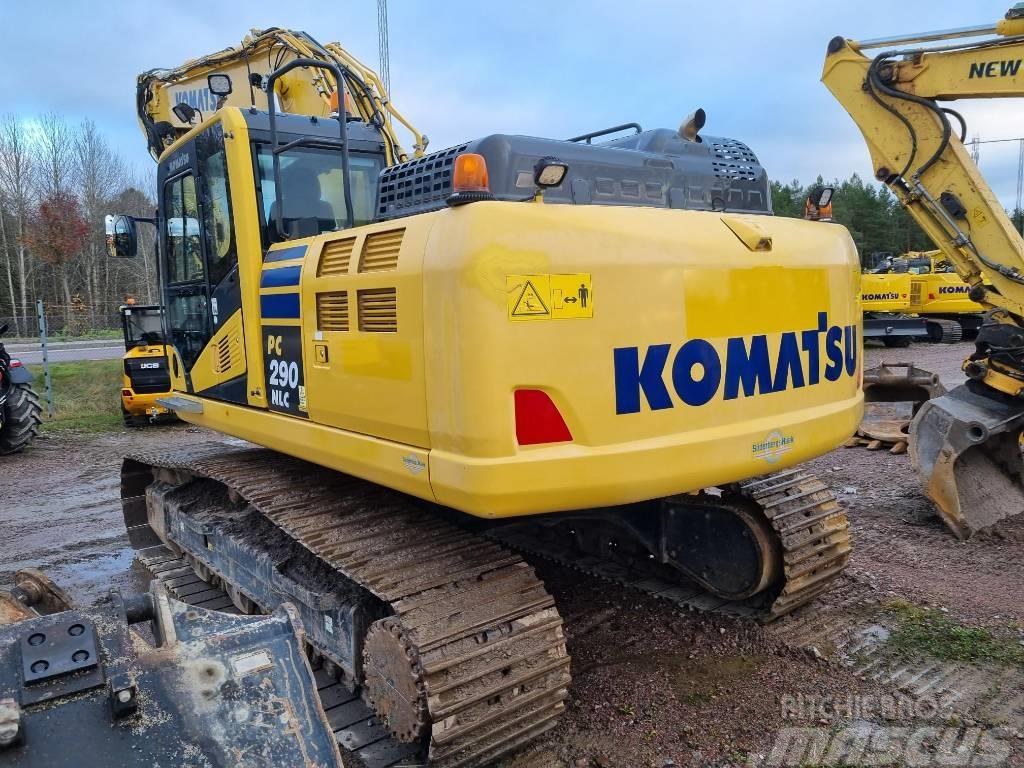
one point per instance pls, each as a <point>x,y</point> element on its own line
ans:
<point>124,698</point>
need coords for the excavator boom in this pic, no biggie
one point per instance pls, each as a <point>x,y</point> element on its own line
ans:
<point>964,445</point>
<point>302,91</point>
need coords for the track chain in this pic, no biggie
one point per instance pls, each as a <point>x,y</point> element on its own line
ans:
<point>812,530</point>
<point>488,636</point>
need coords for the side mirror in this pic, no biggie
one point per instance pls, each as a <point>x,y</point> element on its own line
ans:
<point>122,242</point>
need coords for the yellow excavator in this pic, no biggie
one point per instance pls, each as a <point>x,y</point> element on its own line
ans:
<point>602,350</point>
<point>965,444</point>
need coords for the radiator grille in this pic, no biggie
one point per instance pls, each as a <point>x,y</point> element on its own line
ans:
<point>378,310</point>
<point>335,257</point>
<point>915,291</point>
<point>380,251</point>
<point>734,160</point>
<point>420,184</point>
<point>332,311</point>
<point>223,362</point>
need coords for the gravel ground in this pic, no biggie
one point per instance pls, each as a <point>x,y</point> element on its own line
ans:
<point>652,686</point>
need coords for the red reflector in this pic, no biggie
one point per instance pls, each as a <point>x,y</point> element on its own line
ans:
<point>931,296</point>
<point>538,420</point>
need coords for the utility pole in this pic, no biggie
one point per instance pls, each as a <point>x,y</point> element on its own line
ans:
<point>382,45</point>
<point>1017,215</point>
<point>41,312</point>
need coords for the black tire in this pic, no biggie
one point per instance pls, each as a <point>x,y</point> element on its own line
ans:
<point>22,418</point>
<point>133,422</point>
<point>896,342</point>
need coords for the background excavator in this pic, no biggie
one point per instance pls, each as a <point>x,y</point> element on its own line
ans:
<point>929,288</point>
<point>965,444</point>
<point>600,350</point>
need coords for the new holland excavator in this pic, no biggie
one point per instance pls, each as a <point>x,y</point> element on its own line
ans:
<point>601,350</point>
<point>964,445</point>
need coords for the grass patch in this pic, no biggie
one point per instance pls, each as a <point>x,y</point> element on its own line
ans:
<point>934,633</point>
<point>86,395</point>
<point>91,334</point>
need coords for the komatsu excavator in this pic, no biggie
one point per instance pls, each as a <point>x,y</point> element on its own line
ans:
<point>965,444</point>
<point>602,350</point>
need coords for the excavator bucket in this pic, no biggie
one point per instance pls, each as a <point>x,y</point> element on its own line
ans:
<point>966,450</point>
<point>893,394</point>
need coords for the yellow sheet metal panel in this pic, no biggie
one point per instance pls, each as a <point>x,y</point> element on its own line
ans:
<point>223,358</point>
<point>943,292</point>
<point>886,292</point>
<point>700,353</point>
<point>380,461</point>
<point>368,317</point>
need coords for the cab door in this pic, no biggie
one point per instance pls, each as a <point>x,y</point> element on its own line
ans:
<point>202,290</point>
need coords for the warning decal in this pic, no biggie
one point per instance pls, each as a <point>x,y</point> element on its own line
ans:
<point>546,297</point>
<point>528,301</point>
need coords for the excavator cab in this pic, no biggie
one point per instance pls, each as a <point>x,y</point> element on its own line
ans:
<point>230,189</point>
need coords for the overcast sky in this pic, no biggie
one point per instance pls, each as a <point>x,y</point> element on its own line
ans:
<point>542,67</point>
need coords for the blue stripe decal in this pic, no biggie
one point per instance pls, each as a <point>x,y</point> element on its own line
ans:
<point>283,254</point>
<point>281,277</point>
<point>281,305</point>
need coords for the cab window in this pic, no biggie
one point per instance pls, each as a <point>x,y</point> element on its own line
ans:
<point>186,291</point>
<point>313,190</point>
<point>181,222</point>
<point>215,192</point>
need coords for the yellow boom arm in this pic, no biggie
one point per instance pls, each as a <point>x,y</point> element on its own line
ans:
<point>965,444</point>
<point>917,146</point>
<point>304,90</point>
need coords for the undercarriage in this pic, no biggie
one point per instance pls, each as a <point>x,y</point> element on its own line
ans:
<point>449,636</point>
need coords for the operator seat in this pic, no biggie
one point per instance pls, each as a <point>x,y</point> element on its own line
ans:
<point>304,212</point>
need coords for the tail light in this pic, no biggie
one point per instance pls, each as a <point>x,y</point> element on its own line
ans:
<point>16,363</point>
<point>538,420</point>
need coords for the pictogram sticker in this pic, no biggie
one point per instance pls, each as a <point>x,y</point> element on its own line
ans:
<point>546,297</point>
<point>528,297</point>
<point>572,296</point>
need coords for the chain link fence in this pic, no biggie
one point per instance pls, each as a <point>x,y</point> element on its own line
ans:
<point>77,320</point>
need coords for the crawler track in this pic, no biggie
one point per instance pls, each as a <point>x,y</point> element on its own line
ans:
<point>487,642</point>
<point>812,530</point>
